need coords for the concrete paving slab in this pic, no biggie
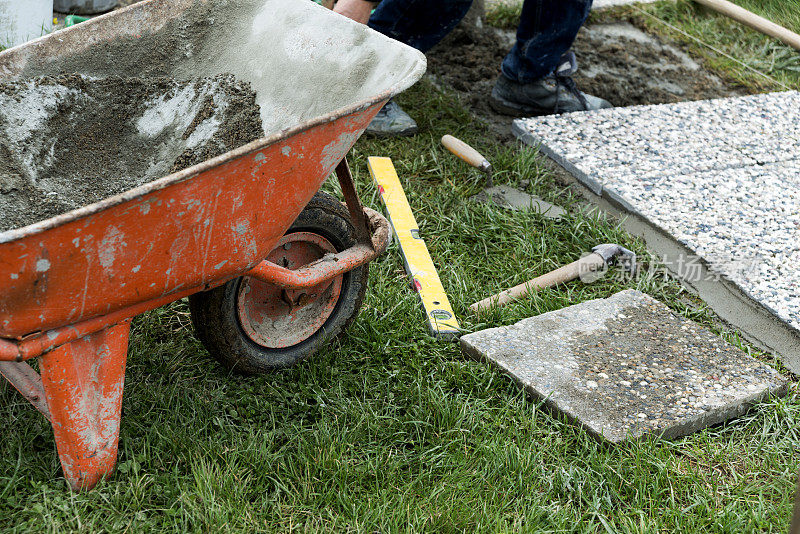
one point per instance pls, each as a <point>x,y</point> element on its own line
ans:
<point>626,366</point>
<point>744,222</point>
<point>682,138</point>
<point>721,177</point>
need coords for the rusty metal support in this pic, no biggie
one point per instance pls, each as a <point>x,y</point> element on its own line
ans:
<point>313,274</point>
<point>28,382</point>
<point>354,206</point>
<point>9,351</point>
<point>330,266</point>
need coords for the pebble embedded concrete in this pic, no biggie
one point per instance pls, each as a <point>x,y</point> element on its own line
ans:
<point>719,176</point>
<point>626,366</point>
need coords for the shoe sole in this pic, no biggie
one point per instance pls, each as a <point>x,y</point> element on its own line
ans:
<point>506,107</point>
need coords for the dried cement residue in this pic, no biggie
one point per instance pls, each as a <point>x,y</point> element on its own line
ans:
<point>68,141</point>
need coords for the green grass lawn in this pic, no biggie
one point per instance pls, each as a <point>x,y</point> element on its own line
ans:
<point>389,430</point>
<point>762,53</point>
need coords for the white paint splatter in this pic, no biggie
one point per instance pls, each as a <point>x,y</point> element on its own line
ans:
<point>112,244</point>
<point>241,227</point>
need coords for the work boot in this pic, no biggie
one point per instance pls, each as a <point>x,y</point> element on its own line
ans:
<point>392,121</point>
<point>556,93</point>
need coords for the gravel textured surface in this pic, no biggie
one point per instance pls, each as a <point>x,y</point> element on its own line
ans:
<point>720,176</point>
<point>627,366</point>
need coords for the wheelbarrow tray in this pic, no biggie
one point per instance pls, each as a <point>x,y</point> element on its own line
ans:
<point>69,285</point>
<point>319,79</point>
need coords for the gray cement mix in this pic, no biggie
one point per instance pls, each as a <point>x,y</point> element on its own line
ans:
<point>68,141</point>
<point>626,366</point>
<point>302,61</point>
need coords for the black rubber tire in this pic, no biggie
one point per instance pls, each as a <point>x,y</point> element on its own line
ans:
<point>216,320</point>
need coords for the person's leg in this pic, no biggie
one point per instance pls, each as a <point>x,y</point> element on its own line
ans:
<point>536,76</point>
<point>418,23</point>
<point>546,32</point>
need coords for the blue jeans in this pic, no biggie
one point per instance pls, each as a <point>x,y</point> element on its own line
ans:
<point>546,30</point>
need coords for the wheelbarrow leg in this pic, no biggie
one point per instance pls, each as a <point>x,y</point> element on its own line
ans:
<point>83,383</point>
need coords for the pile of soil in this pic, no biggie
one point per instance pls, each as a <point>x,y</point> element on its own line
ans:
<point>68,141</point>
<point>617,61</point>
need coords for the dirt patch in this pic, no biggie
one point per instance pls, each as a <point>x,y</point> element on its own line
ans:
<point>68,141</point>
<point>617,62</point>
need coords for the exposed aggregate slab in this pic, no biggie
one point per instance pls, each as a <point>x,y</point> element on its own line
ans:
<point>626,366</point>
<point>721,176</point>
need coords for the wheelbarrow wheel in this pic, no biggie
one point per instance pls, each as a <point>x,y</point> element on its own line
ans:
<point>253,327</point>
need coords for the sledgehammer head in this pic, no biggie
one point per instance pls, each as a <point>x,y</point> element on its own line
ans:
<point>619,255</point>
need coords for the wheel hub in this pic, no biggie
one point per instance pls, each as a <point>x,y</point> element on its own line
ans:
<point>277,318</point>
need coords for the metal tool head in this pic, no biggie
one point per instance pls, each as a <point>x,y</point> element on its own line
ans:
<point>619,255</point>
<point>486,167</point>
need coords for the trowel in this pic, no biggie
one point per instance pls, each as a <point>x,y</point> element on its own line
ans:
<point>503,196</point>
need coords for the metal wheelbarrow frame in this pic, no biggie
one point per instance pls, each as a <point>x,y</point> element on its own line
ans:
<point>70,285</point>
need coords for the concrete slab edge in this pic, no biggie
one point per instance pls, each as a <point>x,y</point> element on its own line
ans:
<point>523,135</point>
<point>759,323</point>
<point>620,203</point>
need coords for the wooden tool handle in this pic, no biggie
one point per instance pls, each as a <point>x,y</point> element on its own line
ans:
<point>589,263</point>
<point>756,22</point>
<point>466,152</point>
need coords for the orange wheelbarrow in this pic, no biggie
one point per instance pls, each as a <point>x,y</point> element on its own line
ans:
<point>271,267</point>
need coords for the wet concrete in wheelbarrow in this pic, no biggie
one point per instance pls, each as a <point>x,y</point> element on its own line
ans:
<point>627,366</point>
<point>68,141</point>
